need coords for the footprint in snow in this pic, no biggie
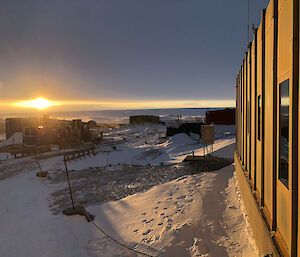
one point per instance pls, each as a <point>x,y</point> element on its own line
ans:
<point>147,232</point>
<point>149,221</point>
<point>180,211</point>
<point>182,178</point>
<point>169,226</point>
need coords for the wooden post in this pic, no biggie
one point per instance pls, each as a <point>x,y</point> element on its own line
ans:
<point>38,163</point>
<point>68,179</point>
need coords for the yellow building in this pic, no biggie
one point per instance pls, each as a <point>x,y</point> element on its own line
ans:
<point>267,120</point>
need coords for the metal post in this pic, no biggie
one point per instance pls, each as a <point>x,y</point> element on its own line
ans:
<point>68,179</point>
<point>37,161</point>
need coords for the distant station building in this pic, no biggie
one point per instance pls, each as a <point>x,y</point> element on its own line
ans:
<point>267,123</point>
<point>13,125</point>
<point>221,117</point>
<point>43,131</point>
<point>185,127</point>
<point>142,119</point>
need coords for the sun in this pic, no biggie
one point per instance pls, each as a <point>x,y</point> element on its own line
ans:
<point>39,103</point>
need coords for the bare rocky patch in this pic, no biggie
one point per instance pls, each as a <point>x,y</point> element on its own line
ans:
<point>101,184</point>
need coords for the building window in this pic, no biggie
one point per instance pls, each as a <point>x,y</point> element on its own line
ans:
<point>259,118</point>
<point>284,132</point>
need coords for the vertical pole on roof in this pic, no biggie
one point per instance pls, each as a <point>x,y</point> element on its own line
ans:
<point>248,24</point>
<point>68,179</point>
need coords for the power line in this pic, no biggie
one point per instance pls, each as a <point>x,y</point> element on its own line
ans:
<point>116,241</point>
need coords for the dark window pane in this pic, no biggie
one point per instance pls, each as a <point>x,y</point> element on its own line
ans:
<point>284,132</point>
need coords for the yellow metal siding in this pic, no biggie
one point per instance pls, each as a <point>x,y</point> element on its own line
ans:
<point>298,243</point>
<point>268,122</point>
<point>244,111</point>
<point>259,92</point>
<point>252,100</point>
<point>285,35</point>
<point>275,63</point>
<point>248,112</point>
<point>240,114</point>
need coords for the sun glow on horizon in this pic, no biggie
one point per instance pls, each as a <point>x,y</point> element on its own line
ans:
<point>39,103</point>
<point>66,105</point>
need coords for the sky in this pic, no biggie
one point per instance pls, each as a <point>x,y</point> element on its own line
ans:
<point>102,54</point>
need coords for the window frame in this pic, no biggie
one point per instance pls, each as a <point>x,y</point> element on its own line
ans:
<point>284,179</point>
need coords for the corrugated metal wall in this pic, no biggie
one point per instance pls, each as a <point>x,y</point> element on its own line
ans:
<point>272,58</point>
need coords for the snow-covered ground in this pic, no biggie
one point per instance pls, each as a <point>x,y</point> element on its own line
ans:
<point>196,214</point>
<point>145,144</point>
